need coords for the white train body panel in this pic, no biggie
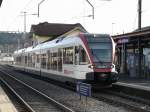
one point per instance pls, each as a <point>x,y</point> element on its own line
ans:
<point>68,57</point>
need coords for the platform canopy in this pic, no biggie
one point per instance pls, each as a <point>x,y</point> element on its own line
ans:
<point>131,39</point>
<point>133,50</point>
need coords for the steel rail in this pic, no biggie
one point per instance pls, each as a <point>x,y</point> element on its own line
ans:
<point>28,107</point>
<point>63,107</point>
<point>132,107</point>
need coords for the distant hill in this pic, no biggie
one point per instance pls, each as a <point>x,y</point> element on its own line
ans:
<point>9,38</point>
<point>9,41</point>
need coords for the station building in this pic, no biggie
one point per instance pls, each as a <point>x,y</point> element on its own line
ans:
<point>133,53</point>
<point>45,31</point>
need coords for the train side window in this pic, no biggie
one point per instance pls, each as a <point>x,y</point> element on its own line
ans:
<point>43,61</point>
<point>18,59</point>
<point>26,59</point>
<point>33,60</point>
<point>83,56</point>
<point>59,59</point>
<point>29,60</point>
<point>38,58</point>
<point>49,60</point>
<point>54,60</point>
<point>68,55</point>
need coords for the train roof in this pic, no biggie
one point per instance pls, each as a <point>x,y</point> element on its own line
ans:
<point>68,40</point>
<point>49,44</point>
<point>58,42</point>
<point>19,51</point>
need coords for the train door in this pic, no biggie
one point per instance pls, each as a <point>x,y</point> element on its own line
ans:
<point>68,63</point>
<point>81,62</point>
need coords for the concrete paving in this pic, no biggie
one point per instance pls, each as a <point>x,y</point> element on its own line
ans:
<point>5,103</point>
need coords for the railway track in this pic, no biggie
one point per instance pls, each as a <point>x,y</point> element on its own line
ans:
<point>34,100</point>
<point>115,98</point>
<point>19,105</point>
<point>118,99</point>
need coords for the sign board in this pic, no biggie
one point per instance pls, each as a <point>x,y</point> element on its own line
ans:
<point>123,40</point>
<point>83,89</point>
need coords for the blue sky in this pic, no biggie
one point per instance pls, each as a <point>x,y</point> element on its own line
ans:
<point>114,17</point>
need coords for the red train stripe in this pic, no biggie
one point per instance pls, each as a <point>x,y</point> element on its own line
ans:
<point>87,47</point>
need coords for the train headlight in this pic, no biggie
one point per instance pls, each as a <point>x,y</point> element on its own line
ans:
<point>91,66</point>
<point>112,66</point>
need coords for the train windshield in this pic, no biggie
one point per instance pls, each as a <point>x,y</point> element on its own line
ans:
<point>101,48</point>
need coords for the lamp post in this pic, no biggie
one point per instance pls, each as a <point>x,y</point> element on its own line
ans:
<point>24,14</point>
<point>1,2</point>
<point>21,42</point>
<point>93,7</point>
<point>25,19</point>
<point>113,28</point>
<point>139,13</point>
<point>39,7</point>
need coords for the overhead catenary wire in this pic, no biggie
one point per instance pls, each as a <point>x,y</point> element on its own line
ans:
<point>18,15</point>
<point>85,13</point>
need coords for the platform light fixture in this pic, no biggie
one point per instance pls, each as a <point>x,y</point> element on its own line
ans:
<point>39,7</point>
<point>93,7</point>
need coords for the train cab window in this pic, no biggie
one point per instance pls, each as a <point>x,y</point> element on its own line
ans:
<point>68,55</point>
<point>83,56</point>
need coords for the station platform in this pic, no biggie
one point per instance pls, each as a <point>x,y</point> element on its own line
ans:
<point>5,103</point>
<point>143,84</point>
<point>134,87</point>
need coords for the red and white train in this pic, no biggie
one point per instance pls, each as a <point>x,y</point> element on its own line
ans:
<point>84,57</point>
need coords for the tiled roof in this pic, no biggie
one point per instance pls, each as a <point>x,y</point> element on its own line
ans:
<point>53,29</point>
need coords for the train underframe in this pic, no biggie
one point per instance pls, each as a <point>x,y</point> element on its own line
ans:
<point>94,78</point>
<point>105,77</point>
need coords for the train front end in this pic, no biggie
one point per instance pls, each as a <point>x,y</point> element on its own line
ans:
<point>101,51</point>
